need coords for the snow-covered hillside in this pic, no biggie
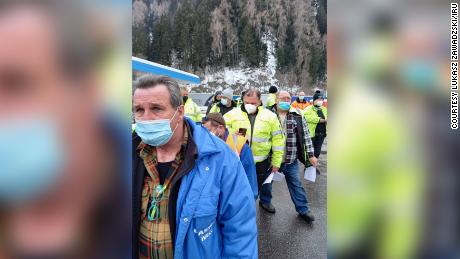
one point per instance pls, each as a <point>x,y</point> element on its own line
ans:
<point>241,77</point>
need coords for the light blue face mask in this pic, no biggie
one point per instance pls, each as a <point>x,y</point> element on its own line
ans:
<point>285,106</point>
<point>31,159</point>
<point>420,75</point>
<point>223,101</point>
<point>155,132</point>
<point>301,97</point>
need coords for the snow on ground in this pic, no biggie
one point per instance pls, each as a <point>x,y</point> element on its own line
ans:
<point>242,77</point>
<point>269,40</point>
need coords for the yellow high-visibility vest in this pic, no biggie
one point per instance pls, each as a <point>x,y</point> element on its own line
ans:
<point>267,136</point>
<point>312,117</point>
<point>236,143</point>
<point>192,110</point>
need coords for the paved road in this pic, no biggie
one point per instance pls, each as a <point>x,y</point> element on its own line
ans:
<point>283,234</point>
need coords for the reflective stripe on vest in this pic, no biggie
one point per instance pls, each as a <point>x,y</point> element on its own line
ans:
<point>263,136</point>
<point>259,140</point>
<point>277,148</point>
<point>260,158</point>
<point>274,133</point>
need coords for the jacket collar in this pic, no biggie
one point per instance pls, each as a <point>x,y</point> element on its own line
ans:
<point>292,111</point>
<point>208,144</point>
<point>295,111</point>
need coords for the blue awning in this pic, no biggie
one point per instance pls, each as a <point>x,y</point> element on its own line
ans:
<point>146,66</point>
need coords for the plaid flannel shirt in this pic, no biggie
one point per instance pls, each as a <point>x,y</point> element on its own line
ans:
<point>291,138</point>
<point>155,236</point>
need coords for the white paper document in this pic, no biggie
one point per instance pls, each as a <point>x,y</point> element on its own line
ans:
<point>310,173</point>
<point>277,177</point>
<point>269,179</point>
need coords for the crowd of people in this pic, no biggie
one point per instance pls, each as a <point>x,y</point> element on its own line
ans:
<point>196,179</point>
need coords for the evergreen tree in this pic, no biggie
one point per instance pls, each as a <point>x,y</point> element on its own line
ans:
<point>202,39</point>
<point>212,34</point>
<point>183,34</point>
<point>248,45</point>
<point>321,16</point>
<point>162,41</point>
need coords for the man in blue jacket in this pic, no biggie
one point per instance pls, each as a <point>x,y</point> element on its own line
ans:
<point>191,198</point>
<point>215,123</point>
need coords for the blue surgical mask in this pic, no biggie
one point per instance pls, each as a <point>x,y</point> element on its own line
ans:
<point>224,101</point>
<point>155,132</point>
<point>419,74</point>
<point>301,97</point>
<point>285,106</point>
<point>31,159</point>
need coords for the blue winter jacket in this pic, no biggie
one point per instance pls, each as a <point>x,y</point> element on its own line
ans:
<point>247,159</point>
<point>215,213</point>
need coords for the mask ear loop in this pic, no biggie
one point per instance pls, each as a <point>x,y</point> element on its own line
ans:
<point>215,133</point>
<point>221,135</point>
<point>173,118</point>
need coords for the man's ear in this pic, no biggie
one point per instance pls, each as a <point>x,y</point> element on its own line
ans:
<point>180,110</point>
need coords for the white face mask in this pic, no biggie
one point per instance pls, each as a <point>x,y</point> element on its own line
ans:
<point>319,103</point>
<point>250,108</point>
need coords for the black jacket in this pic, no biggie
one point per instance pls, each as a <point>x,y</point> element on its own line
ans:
<point>223,109</point>
<point>300,136</point>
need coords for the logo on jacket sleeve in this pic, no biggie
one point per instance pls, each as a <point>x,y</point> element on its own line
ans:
<point>204,233</point>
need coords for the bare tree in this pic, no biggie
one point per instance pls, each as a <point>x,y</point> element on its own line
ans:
<point>139,13</point>
<point>279,20</point>
<point>160,8</point>
<point>221,25</point>
<point>216,29</point>
<point>307,37</point>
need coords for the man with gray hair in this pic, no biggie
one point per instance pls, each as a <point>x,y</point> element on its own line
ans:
<point>190,200</point>
<point>298,147</point>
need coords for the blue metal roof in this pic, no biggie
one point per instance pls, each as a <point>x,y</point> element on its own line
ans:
<point>158,69</point>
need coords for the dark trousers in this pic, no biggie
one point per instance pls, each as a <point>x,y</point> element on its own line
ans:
<point>262,172</point>
<point>318,143</point>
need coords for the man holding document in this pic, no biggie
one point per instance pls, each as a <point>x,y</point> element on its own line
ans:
<point>263,131</point>
<point>298,146</point>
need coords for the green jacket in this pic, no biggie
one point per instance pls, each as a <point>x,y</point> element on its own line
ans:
<point>192,110</point>
<point>312,117</point>
<point>271,100</point>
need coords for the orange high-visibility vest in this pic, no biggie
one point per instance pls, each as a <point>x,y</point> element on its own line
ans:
<point>236,143</point>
